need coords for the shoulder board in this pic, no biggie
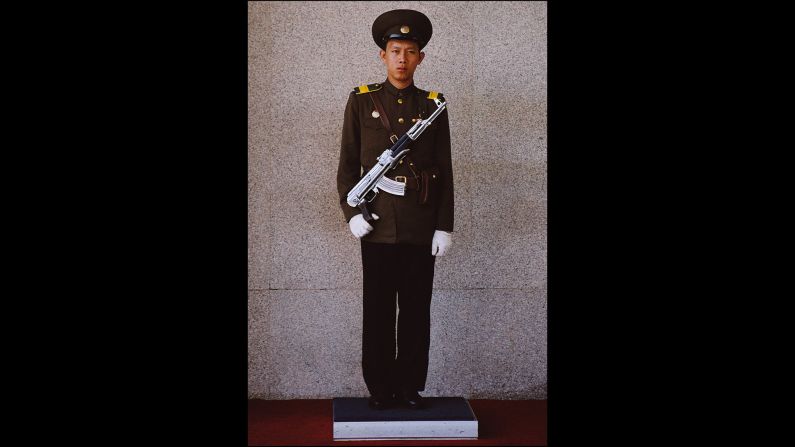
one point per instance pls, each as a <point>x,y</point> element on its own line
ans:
<point>435,95</point>
<point>367,88</point>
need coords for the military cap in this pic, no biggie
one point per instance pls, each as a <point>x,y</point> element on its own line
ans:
<point>403,24</point>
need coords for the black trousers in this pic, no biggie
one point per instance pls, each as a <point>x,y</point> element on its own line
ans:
<point>402,274</point>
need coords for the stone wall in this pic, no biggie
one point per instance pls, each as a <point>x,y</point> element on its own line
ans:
<point>488,334</point>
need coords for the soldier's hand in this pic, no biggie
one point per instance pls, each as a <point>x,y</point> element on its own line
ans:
<point>359,226</point>
<point>442,241</point>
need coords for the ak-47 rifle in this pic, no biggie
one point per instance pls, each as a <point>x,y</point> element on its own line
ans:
<point>367,188</point>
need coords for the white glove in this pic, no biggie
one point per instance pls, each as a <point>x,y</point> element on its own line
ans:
<point>359,226</point>
<point>442,241</point>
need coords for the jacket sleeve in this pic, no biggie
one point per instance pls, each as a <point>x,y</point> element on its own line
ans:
<point>349,169</point>
<point>444,160</point>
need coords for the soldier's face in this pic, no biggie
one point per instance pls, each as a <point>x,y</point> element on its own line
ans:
<point>401,59</point>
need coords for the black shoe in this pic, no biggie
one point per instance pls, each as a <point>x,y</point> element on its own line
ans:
<point>411,399</point>
<point>380,401</point>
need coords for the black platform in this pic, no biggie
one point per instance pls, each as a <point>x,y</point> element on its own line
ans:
<point>442,418</point>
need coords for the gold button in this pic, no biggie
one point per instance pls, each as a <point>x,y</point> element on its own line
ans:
<point>401,162</point>
<point>414,120</point>
<point>400,100</point>
<point>434,175</point>
<point>400,120</point>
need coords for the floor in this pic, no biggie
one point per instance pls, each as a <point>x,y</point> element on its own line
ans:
<point>308,422</point>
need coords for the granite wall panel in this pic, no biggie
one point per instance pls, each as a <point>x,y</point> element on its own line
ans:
<point>489,305</point>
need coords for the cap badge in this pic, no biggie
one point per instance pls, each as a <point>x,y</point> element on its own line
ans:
<point>404,29</point>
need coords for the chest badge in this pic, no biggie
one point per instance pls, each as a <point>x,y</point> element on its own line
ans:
<point>376,114</point>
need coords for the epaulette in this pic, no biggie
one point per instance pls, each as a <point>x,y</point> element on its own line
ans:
<point>435,95</point>
<point>367,88</point>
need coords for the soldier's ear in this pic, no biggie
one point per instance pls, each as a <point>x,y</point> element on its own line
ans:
<point>422,56</point>
<point>382,54</point>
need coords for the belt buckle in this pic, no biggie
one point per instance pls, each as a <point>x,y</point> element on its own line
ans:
<point>399,177</point>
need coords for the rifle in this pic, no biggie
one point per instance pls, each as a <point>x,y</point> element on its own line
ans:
<point>365,191</point>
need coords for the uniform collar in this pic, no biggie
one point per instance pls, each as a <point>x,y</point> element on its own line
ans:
<point>399,92</point>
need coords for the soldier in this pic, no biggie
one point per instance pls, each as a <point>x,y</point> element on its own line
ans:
<point>399,249</point>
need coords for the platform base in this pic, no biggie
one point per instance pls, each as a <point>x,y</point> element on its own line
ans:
<point>442,418</point>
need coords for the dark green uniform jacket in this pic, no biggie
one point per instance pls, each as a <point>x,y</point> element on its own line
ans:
<point>401,218</point>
